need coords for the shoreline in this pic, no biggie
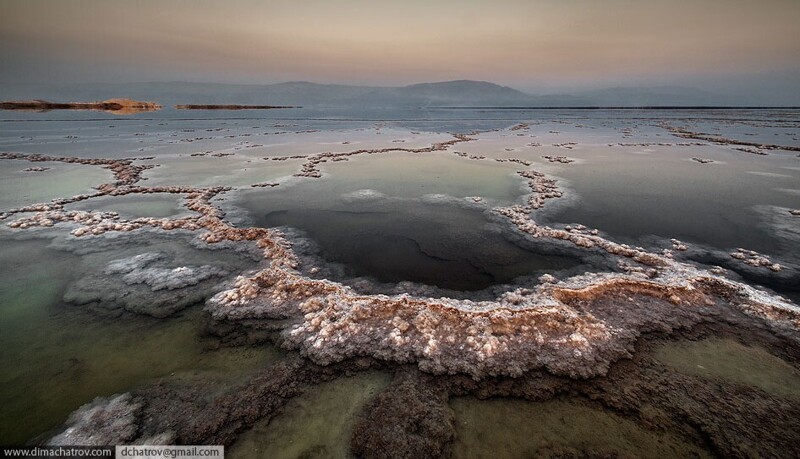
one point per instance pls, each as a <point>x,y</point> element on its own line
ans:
<point>231,107</point>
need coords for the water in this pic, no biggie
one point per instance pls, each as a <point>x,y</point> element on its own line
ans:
<point>728,360</point>
<point>408,175</point>
<point>56,356</point>
<point>213,171</point>
<point>19,188</point>
<point>408,217</point>
<point>506,428</point>
<point>435,245</point>
<point>162,205</point>
<point>316,424</point>
<point>390,217</point>
<point>660,191</point>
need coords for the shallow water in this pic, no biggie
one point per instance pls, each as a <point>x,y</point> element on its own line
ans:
<point>440,245</point>
<point>57,356</point>
<point>728,360</point>
<point>409,175</point>
<point>162,205</point>
<point>507,428</point>
<point>631,193</point>
<point>746,129</point>
<point>392,217</point>
<point>416,224</point>
<point>20,188</point>
<point>316,424</point>
<point>216,171</point>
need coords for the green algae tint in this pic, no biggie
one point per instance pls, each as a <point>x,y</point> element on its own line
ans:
<point>315,424</point>
<point>506,429</point>
<point>57,357</point>
<point>728,360</point>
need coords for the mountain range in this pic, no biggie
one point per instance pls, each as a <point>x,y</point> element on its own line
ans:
<point>459,93</point>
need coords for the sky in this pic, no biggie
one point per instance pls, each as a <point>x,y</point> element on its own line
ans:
<point>537,46</point>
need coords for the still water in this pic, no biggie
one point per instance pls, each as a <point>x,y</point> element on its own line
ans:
<point>390,217</point>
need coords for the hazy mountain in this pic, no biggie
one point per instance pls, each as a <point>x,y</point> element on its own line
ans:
<point>460,93</point>
<point>448,93</point>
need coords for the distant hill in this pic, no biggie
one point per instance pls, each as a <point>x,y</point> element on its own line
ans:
<point>447,93</point>
<point>459,93</point>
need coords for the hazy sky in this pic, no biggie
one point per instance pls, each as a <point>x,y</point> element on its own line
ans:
<point>528,44</point>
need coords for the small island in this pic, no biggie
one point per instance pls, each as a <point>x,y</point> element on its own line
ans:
<point>231,107</point>
<point>118,106</point>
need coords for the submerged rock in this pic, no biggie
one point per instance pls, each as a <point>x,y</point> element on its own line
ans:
<point>104,421</point>
<point>108,421</point>
<point>135,271</point>
<point>363,195</point>
<point>132,284</point>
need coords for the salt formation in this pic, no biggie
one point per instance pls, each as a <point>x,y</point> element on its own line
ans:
<point>755,259</point>
<point>563,326</point>
<point>134,285</point>
<point>572,327</point>
<point>310,168</point>
<point>125,172</point>
<point>678,245</point>
<point>105,421</point>
<point>522,330</point>
<point>136,270</point>
<point>687,134</point>
<point>559,159</point>
<point>363,195</point>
